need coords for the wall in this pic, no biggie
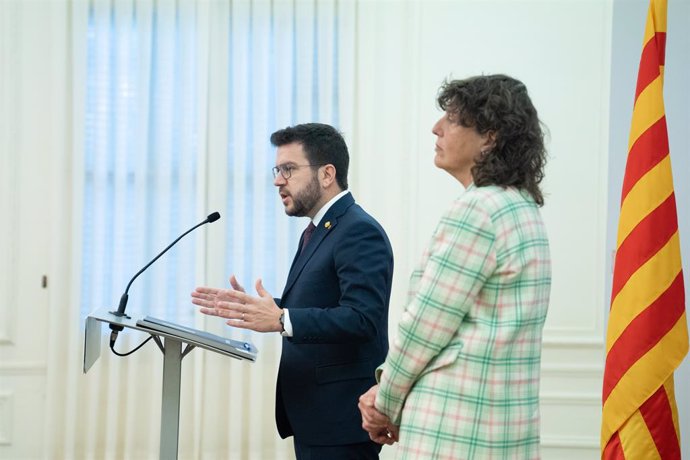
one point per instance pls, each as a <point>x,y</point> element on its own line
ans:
<point>33,60</point>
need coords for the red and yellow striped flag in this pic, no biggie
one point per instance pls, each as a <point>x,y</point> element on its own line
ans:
<point>647,335</point>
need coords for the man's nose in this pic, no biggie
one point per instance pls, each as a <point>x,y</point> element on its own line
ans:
<point>279,180</point>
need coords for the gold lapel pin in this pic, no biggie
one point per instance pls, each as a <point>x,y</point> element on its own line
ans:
<point>327,225</point>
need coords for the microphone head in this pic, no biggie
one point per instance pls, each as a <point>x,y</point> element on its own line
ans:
<point>213,217</point>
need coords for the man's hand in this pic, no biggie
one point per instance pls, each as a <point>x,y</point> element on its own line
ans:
<point>260,314</point>
<point>378,425</point>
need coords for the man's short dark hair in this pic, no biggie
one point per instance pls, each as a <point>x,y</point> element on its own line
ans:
<point>322,144</point>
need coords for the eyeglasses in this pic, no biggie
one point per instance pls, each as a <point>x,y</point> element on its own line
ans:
<point>286,169</point>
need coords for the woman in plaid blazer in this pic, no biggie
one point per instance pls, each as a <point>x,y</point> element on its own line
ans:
<point>461,380</point>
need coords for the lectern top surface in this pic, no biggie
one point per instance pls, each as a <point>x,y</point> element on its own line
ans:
<point>235,348</point>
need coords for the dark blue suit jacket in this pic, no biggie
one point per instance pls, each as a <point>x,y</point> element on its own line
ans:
<point>337,293</point>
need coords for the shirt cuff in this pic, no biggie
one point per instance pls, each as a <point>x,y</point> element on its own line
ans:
<point>287,325</point>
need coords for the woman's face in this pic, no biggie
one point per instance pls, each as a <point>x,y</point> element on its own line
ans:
<point>457,147</point>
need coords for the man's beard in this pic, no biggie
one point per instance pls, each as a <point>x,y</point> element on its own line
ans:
<point>305,200</point>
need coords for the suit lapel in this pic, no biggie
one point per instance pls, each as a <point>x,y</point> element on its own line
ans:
<point>325,228</point>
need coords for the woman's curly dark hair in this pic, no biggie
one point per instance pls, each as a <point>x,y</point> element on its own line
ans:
<point>500,105</point>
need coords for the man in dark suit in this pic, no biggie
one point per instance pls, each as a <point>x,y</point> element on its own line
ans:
<point>333,313</point>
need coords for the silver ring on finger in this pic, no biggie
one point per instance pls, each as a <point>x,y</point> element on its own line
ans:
<point>242,316</point>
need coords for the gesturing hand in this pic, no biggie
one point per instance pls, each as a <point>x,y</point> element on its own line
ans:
<point>242,310</point>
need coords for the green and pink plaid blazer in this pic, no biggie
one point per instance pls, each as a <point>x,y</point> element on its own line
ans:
<point>462,376</point>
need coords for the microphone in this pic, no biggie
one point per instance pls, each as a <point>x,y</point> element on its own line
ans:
<point>123,300</point>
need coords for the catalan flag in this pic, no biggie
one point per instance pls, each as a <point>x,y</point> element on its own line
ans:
<point>647,335</point>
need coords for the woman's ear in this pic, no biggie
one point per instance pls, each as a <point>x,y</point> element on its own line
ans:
<point>489,141</point>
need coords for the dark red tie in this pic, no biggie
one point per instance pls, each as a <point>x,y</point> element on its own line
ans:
<point>308,232</point>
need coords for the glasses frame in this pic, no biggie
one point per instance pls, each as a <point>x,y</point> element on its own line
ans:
<point>285,170</point>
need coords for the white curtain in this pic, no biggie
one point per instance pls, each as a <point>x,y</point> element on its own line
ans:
<point>173,104</point>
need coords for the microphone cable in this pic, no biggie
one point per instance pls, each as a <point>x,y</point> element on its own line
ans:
<point>113,338</point>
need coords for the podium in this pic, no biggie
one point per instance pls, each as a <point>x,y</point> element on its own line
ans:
<point>169,337</point>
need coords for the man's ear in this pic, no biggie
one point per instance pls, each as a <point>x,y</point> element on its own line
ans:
<point>327,175</point>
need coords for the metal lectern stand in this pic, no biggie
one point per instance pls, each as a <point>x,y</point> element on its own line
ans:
<point>171,346</point>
